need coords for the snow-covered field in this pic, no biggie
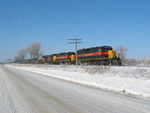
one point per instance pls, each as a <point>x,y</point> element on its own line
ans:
<point>128,80</point>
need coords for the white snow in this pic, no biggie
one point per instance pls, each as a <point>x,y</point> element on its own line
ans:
<point>130,80</point>
<point>10,100</point>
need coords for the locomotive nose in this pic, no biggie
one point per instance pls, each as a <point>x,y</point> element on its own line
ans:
<point>111,54</point>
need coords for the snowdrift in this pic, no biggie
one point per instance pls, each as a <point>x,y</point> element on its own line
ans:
<point>128,80</point>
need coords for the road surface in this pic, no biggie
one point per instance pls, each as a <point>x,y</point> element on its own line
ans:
<point>35,93</point>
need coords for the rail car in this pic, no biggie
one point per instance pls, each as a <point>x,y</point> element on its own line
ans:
<point>103,55</point>
<point>60,58</point>
<point>46,59</point>
<point>64,58</point>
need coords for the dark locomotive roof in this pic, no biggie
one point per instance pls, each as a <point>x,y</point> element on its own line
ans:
<point>65,54</point>
<point>48,56</point>
<point>94,49</point>
<point>59,54</point>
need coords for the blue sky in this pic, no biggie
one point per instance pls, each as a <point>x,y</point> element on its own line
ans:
<point>52,22</point>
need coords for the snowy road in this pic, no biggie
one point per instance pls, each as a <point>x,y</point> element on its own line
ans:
<point>41,94</point>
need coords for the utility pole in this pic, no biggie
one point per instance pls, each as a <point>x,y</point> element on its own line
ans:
<point>75,41</point>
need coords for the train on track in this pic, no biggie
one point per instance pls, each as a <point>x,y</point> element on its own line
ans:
<point>103,55</point>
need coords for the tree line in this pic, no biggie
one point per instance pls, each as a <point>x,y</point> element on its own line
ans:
<point>33,50</point>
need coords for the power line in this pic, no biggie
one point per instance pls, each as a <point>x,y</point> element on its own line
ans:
<point>75,41</point>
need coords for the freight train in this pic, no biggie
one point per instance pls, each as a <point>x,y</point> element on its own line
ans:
<point>103,55</point>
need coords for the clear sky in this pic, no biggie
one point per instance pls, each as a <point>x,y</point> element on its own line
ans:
<point>52,22</point>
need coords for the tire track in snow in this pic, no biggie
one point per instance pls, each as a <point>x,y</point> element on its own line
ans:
<point>6,100</point>
<point>10,100</point>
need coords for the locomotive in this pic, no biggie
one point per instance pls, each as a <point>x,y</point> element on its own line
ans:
<point>103,55</point>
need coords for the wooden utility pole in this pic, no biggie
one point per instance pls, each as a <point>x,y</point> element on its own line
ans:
<point>75,41</point>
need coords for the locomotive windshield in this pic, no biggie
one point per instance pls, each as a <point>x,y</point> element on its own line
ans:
<point>106,48</point>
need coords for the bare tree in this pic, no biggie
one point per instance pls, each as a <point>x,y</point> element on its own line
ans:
<point>122,51</point>
<point>22,53</point>
<point>34,50</point>
<point>17,59</point>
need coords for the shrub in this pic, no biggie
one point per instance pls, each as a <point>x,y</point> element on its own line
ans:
<point>97,69</point>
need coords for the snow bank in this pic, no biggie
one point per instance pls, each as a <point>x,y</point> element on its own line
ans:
<point>130,80</point>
